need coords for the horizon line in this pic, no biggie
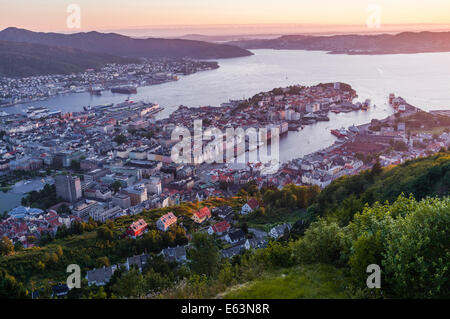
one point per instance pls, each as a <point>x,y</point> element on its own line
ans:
<point>359,28</point>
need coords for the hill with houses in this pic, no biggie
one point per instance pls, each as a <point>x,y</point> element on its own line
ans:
<point>255,237</point>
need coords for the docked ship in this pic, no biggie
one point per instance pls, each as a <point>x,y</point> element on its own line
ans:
<point>34,111</point>
<point>353,129</point>
<point>38,112</point>
<point>98,107</point>
<point>96,90</point>
<point>339,133</point>
<point>124,90</point>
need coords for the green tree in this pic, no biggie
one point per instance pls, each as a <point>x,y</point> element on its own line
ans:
<point>155,281</point>
<point>6,246</point>
<point>10,288</point>
<point>227,274</point>
<point>104,233</point>
<point>244,227</point>
<point>115,186</point>
<point>99,294</point>
<point>376,169</point>
<point>64,209</point>
<point>59,251</point>
<point>204,255</point>
<point>18,246</point>
<point>130,284</point>
<point>54,258</point>
<point>103,261</point>
<point>120,139</point>
<point>74,164</point>
<point>418,252</point>
<point>322,243</point>
<point>197,286</point>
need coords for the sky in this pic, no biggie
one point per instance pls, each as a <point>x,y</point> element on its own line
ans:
<point>263,16</point>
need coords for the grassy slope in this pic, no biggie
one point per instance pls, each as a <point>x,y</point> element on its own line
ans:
<point>301,282</point>
<point>268,222</point>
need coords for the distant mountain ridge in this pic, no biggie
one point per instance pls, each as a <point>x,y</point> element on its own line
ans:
<point>405,42</point>
<point>18,59</point>
<point>120,45</point>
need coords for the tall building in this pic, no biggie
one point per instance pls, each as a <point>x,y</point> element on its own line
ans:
<point>121,200</point>
<point>137,194</point>
<point>154,186</point>
<point>68,187</point>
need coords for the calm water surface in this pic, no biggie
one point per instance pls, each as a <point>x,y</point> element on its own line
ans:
<point>422,79</point>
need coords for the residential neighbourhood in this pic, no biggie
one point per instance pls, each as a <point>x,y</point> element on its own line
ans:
<point>115,160</point>
<point>150,72</point>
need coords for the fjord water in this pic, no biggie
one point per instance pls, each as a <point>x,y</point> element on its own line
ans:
<point>422,79</point>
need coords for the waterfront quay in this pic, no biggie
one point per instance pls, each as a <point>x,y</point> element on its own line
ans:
<point>116,159</point>
<point>116,77</point>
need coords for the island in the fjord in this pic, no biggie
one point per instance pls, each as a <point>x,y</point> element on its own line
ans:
<point>405,42</point>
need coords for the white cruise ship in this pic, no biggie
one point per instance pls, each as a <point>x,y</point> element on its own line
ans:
<point>38,112</point>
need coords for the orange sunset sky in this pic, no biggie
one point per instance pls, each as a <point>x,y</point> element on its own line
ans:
<point>225,16</point>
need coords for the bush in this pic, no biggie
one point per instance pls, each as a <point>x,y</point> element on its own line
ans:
<point>417,254</point>
<point>322,243</point>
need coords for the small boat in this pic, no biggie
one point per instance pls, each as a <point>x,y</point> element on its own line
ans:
<point>95,91</point>
<point>353,129</point>
<point>339,133</point>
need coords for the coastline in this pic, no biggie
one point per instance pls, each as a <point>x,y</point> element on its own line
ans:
<point>85,89</point>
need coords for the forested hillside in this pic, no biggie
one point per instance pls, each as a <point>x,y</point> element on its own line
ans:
<point>395,217</point>
<point>28,59</point>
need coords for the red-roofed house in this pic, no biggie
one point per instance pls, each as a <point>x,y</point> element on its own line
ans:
<point>201,215</point>
<point>250,206</point>
<point>165,221</point>
<point>219,228</point>
<point>137,228</point>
